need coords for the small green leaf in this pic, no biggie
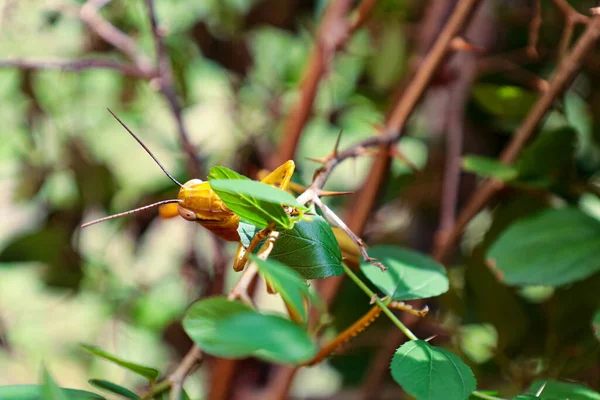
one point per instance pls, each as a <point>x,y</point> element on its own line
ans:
<point>489,168</point>
<point>309,248</point>
<point>146,372</point>
<point>223,173</point>
<point>554,247</point>
<point>50,390</point>
<point>287,282</point>
<point>231,329</point>
<point>256,202</point>
<point>549,153</point>
<point>563,390</point>
<point>596,324</point>
<point>37,392</point>
<point>410,275</point>
<point>510,102</point>
<point>113,388</point>
<point>431,373</point>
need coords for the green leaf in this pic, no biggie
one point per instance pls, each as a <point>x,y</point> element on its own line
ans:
<point>526,397</point>
<point>510,102</point>
<point>256,202</point>
<point>223,173</point>
<point>113,388</point>
<point>563,390</point>
<point>489,168</point>
<point>410,275</point>
<point>146,372</point>
<point>287,282</point>
<point>550,152</point>
<point>50,390</point>
<point>231,329</point>
<point>309,248</point>
<point>596,324</point>
<point>555,247</point>
<point>431,373</point>
<point>36,392</point>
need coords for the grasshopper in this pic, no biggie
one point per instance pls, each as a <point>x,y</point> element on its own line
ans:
<point>197,202</point>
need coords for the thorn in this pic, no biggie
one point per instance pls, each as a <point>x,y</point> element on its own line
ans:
<point>375,262</point>
<point>337,144</point>
<point>321,160</point>
<point>324,193</point>
<point>460,44</point>
<point>373,299</point>
<point>541,389</point>
<point>395,152</point>
<point>431,338</point>
<point>379,129</point>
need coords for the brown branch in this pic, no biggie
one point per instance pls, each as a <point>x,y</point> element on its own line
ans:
<point>333,34</point>
<point>78,65</point>
<point>565,73</point>
<point>167,88</point>
<point>534,30</point>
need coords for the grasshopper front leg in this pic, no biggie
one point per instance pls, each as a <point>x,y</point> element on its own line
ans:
<point>240,256</point>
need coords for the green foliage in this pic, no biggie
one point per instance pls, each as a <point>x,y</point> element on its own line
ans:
<point>596,324</point>
<point>410,275</point>
<point>221,173</point>
<point>429,373</point>
<point>50,390</point>
<point>146,372</point>
<point>231,329</point>
<point>37,392</point>
<point>504,101</point>
<point>554,247</point>
<point>309,248</point>
<point>489,168</point>
<point>563,390</point>
<point>288,283</point>
<point>113,388</point>
<point>256,202</point>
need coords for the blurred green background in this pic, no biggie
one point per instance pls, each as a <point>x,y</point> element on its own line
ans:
<point>237,67</point>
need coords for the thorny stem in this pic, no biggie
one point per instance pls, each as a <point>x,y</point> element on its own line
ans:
<point>329,214</point>
<point>380,303</point>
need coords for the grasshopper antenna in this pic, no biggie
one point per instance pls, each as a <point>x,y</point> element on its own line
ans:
<point>159,203</point>
<point>145,148</point>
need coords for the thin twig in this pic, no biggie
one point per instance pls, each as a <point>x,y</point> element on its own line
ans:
<point>78,65</point>
<point>88,13</point>
<point>565,73</point>
<point>332,217</point>
<point>167,88</point>
<point>534,29</point>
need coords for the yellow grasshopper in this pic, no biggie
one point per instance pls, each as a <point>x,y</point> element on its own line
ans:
<point>197,202</point>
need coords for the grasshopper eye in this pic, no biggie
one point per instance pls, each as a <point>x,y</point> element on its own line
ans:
<point>187,214</point>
